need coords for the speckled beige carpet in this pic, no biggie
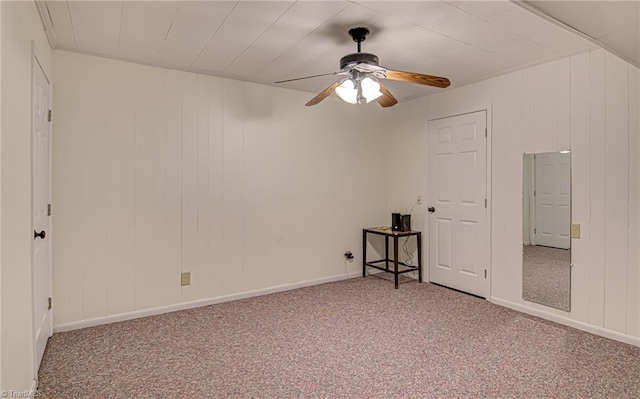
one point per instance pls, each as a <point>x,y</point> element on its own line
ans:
<point>546,276</point>
<point>358,338</point>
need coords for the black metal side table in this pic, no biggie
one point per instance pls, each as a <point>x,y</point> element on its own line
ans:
<point>395,235</point>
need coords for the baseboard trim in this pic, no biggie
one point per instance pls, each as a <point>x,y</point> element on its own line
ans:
<point>603,332</point>
<point>76,325</point>
<point>33,389</point>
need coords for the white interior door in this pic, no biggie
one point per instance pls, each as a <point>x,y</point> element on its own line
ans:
<point>553,199</point>
<point>41,142</point>
<point>457,202</point>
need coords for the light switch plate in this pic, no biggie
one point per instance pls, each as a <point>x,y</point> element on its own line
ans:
<point>185,278</point>
<point>575,231</point>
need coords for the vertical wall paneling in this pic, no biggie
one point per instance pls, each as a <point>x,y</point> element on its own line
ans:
<point>190,184</point>
<point>545,94</point>
<point>633,279</point>
<point>233,181</point>
<point>408,142</point>
<point>201,268</point>
<point>225,174</point>
<point>22,35</point>
<point>93,230</point>
<point>287,130</point>
<point>544,86</point>
<point>528,110</point>
<point>597,172</point>
<point>265,202</point>
<point>312,187</point>
<point>508,111</point>
<point>158,204</point>
<point>260,209</point>
<point>616,193</point>
<point>498,222</point>
<point>588,103</point>
<point>165,171</point>
<point>580,183</point>
<point>564,103</point>
<point>144,153</point>
<point>72,63</point>
<point>173,185</point>
<point>60,170</point>
<point>216,100</point>
<point>121,118</point>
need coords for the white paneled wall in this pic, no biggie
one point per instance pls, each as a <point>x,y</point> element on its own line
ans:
<point>616,198</point>
<point>588,103</point>
<point>633,271</point>
<point>406,143</point>
<point>158,172</point>
<point>22,35</point>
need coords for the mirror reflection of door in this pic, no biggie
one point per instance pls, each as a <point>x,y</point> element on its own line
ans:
<point>546,229</point>
<point>552,199</point>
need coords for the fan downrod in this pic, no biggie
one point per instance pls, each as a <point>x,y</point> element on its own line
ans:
<point>359,35</point>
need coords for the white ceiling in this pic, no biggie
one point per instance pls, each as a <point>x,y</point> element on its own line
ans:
<point>613,24</point>
<point>267,41</point>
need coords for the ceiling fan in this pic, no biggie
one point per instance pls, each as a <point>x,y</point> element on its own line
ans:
<point>362,84</point>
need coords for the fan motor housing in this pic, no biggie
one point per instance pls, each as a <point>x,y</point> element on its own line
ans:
<point>358,58</point>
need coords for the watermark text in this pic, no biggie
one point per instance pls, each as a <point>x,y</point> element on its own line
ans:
<point>20,394</point>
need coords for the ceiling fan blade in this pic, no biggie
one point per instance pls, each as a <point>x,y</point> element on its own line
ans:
<point>387,99</point>
<point>323,94</point>
<point>313,76</point>
<point>412,77</point>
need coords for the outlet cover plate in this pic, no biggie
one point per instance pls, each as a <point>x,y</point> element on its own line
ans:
<point>185,278</point>
<point>575,231</point>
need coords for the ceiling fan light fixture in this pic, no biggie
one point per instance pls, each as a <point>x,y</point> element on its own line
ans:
<point>348,91</point>
<point>370,89</point>
<point>362,85</point>
<point>358,91</point>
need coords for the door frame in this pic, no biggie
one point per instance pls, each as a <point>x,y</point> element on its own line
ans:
<point>488,109</point>
<point>531,198</point>
<point>35,63</point>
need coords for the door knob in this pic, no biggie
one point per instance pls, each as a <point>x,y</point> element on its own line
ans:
<point>40,234</point>
<point>431,209</point>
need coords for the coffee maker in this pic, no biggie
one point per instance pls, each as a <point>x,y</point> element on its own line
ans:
<point>400,222</point>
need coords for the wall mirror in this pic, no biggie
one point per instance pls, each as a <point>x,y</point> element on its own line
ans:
<point>546,239</point>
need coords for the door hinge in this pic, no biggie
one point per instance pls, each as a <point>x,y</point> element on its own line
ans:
<point>485,273</point>
<point>485,202</point>
<point>49,117</point>
<point>535,231</point>
<point>49,302</point>
<point>49,210</point>
<point>485,132</point>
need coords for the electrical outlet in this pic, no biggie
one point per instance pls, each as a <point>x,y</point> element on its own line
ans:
<point>185,278</point>
<point>575,231</point>
<point>419,199</point>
